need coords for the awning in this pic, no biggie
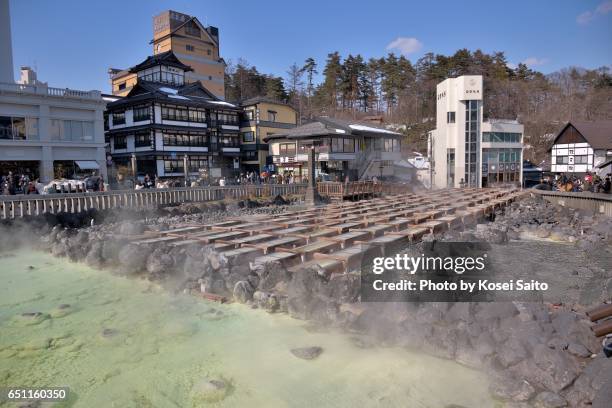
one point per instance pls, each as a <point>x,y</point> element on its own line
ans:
<point>87,165</point>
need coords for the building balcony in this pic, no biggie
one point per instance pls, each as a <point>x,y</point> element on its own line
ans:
<point>45,90</point>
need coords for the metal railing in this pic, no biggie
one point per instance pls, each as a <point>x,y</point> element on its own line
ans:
<point>339,190</point>
<point>42,89</point>
<point>19,206</point>
<point>596,202</point>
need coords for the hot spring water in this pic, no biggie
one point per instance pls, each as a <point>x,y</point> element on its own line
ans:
<point>124,343</point>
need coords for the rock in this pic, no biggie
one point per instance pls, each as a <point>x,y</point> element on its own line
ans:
<point>210,390</point>
<point>131,228</point>
<point>548,369</point>
<point>159,262</point>
<point>578,350</point>
<point>132,259</point>
<point>511,352</point>
<point>506,387</point>
<point>549,399</point>
<point>243,291</point>
<point>307,353</point>
<point>109,333</point>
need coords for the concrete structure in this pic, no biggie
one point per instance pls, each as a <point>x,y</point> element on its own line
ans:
<point>6,58</point>
<point>465,149</point>
<point>50,132</point>
<point>262,117</point>
<point>343,149</point>
<point>163,119</point>
<point>192,43</point>
<point>582,146</point>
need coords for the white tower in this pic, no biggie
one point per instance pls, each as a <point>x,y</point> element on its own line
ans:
<point>6,49</point>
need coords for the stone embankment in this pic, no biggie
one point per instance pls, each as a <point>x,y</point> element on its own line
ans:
<point>537,354</point>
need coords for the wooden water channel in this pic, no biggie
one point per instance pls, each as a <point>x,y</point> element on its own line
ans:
<point>337,237</point>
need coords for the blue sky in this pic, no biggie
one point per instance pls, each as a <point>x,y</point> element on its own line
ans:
<point>73,43</point>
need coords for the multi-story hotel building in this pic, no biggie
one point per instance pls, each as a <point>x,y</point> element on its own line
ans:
<point>465,149</point>
<point>165,120</point>
<point>192,43</point>
<point>262,117</point>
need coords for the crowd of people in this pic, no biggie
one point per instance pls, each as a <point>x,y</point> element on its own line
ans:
<point>11,184</point>
<point>572,183</point>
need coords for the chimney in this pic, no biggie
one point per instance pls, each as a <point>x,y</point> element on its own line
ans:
<point>6,48</point>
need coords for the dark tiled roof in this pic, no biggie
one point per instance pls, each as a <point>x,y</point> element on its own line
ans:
<point>261,99</point>
<point>597,133</point>
<point>192,94</point>
<point>325,126</point>
<point>165,58</point>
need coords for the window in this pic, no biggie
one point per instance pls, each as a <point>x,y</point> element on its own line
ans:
<point>18,128</point>
<point>450,117</point>
<point>178,113</point>
<point>142,113</point>
<point>501,137</point>
<point>249,115</point>
<point>208,52</point>
<point>190,47</point>
<point>226,119</point>
<point>581,159</point>
<point>121,86</point>
<point>250,155</point>
<point>450,167</point>
<point>192,29</point>
<point>342,145</point>
<point>287,149</point>
<point>197,115</point>
<point>210,77</point>
<point>248,136</point>
<point>229,139</point>
<point>562,159</point>
<point>185,139</point>
<point>120,142</point>
<point>118,118</point>
<point>142,139</point>
<point>271,116</point>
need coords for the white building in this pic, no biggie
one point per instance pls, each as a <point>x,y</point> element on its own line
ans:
<point>46,132</point>
<point>464,147</point>
<point>582,146</point>
<point>50,132</point>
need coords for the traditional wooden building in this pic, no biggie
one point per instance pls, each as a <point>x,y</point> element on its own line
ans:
<point>342,149</point>
<point>163,119</point>
<point>582,146</point>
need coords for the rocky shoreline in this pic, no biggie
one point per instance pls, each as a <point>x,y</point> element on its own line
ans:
<point>537,354</point>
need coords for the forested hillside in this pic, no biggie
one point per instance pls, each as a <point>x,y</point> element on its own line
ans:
<point>404,92</point>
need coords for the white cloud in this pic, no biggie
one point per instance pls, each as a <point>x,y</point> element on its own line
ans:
<point>585,17</point>
<point>511,65</point>
<point>405,45</point>
<point>600,10</point>
<point>604,8</point>
<point>534,61</point>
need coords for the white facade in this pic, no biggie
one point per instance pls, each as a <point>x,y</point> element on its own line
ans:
<point>40,126</point>
<point>572,158</point>
<point>466,149</point>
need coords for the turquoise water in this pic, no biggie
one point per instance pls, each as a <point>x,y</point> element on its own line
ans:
<point>126,343</point>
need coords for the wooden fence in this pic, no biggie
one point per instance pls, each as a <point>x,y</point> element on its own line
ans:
<point>30,205</point>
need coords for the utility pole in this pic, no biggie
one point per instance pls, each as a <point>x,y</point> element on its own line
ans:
<point>185,168</point>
